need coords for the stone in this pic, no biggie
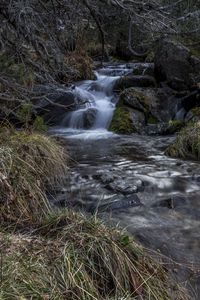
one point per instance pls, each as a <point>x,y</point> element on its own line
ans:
<point>54,103</point>
<point>89,118</point>
<point>175,64</point>
<point>121,186</point>
<point>123,203</point>
<point>172,202</point>
<point>138,120</point>
<point>107,178</point>
<point>134,81</point>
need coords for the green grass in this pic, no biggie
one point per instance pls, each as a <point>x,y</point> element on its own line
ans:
<point>187,144</point>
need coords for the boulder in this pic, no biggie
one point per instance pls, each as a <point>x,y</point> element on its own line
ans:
<point>54,103</point>
<point>175,64</point>
<point>89,118</point>
<point>134,81</point>
<point>145,111</point>
<point>159,103</point>
<point>138,120</point>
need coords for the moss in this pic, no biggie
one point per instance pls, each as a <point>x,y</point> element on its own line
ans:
<point>175,125</point>
<point>151,119</point>
<point>195,51</point>
<point>121,122</point>
<point>187,144</point>
<point>143,100</point>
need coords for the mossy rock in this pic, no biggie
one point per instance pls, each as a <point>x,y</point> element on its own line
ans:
<point>135,98</point>
<point>140,101</point>
<point>121,122</point>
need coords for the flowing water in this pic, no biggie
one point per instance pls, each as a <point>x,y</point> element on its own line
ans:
<point>128,179</point>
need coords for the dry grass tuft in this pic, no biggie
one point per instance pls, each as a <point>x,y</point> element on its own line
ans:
<point>187,144</point>
<point>29,163</point>
<point>74,257</point>
<point>80,61</point>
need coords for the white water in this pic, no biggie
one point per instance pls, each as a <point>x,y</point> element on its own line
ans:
<point>97,104</point>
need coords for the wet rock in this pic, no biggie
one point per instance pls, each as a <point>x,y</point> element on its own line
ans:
<point>134,98</point>
<point>89,118</point>
<point>134,81</point>
<point>175,64</point>
<point>107,178</point>
<point>158,103</point>
<point>172,202</point>
<point>123,203</point>
<point>125,187</point>
<point>54,103</point>
<point>138,120</point>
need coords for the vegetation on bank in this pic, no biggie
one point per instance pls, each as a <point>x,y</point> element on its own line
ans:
<point>30,163</point>
<point>47,253</point>
<point>187,144</point>
<point>70,256</point>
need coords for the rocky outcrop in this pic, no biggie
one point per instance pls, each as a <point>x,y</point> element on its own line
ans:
<point>175,64</point>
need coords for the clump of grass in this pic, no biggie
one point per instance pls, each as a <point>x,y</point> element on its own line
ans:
<point>75,257</point>
<point>175,125</point>
<point>29,164</point>
<point>82,63</point>
<point>187,144</point>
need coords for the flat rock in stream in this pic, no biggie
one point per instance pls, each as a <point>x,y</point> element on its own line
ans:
<point>121,186</point>
<point>123,203</point>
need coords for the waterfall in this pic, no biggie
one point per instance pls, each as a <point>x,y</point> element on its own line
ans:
<point>97,100</point>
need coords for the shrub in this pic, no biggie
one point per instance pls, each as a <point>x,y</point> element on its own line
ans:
<point>24,114</point>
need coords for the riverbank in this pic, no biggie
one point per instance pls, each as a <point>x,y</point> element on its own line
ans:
<point>49,253</point>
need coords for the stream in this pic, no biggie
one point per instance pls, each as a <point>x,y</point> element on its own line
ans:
<point>127,180</point>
